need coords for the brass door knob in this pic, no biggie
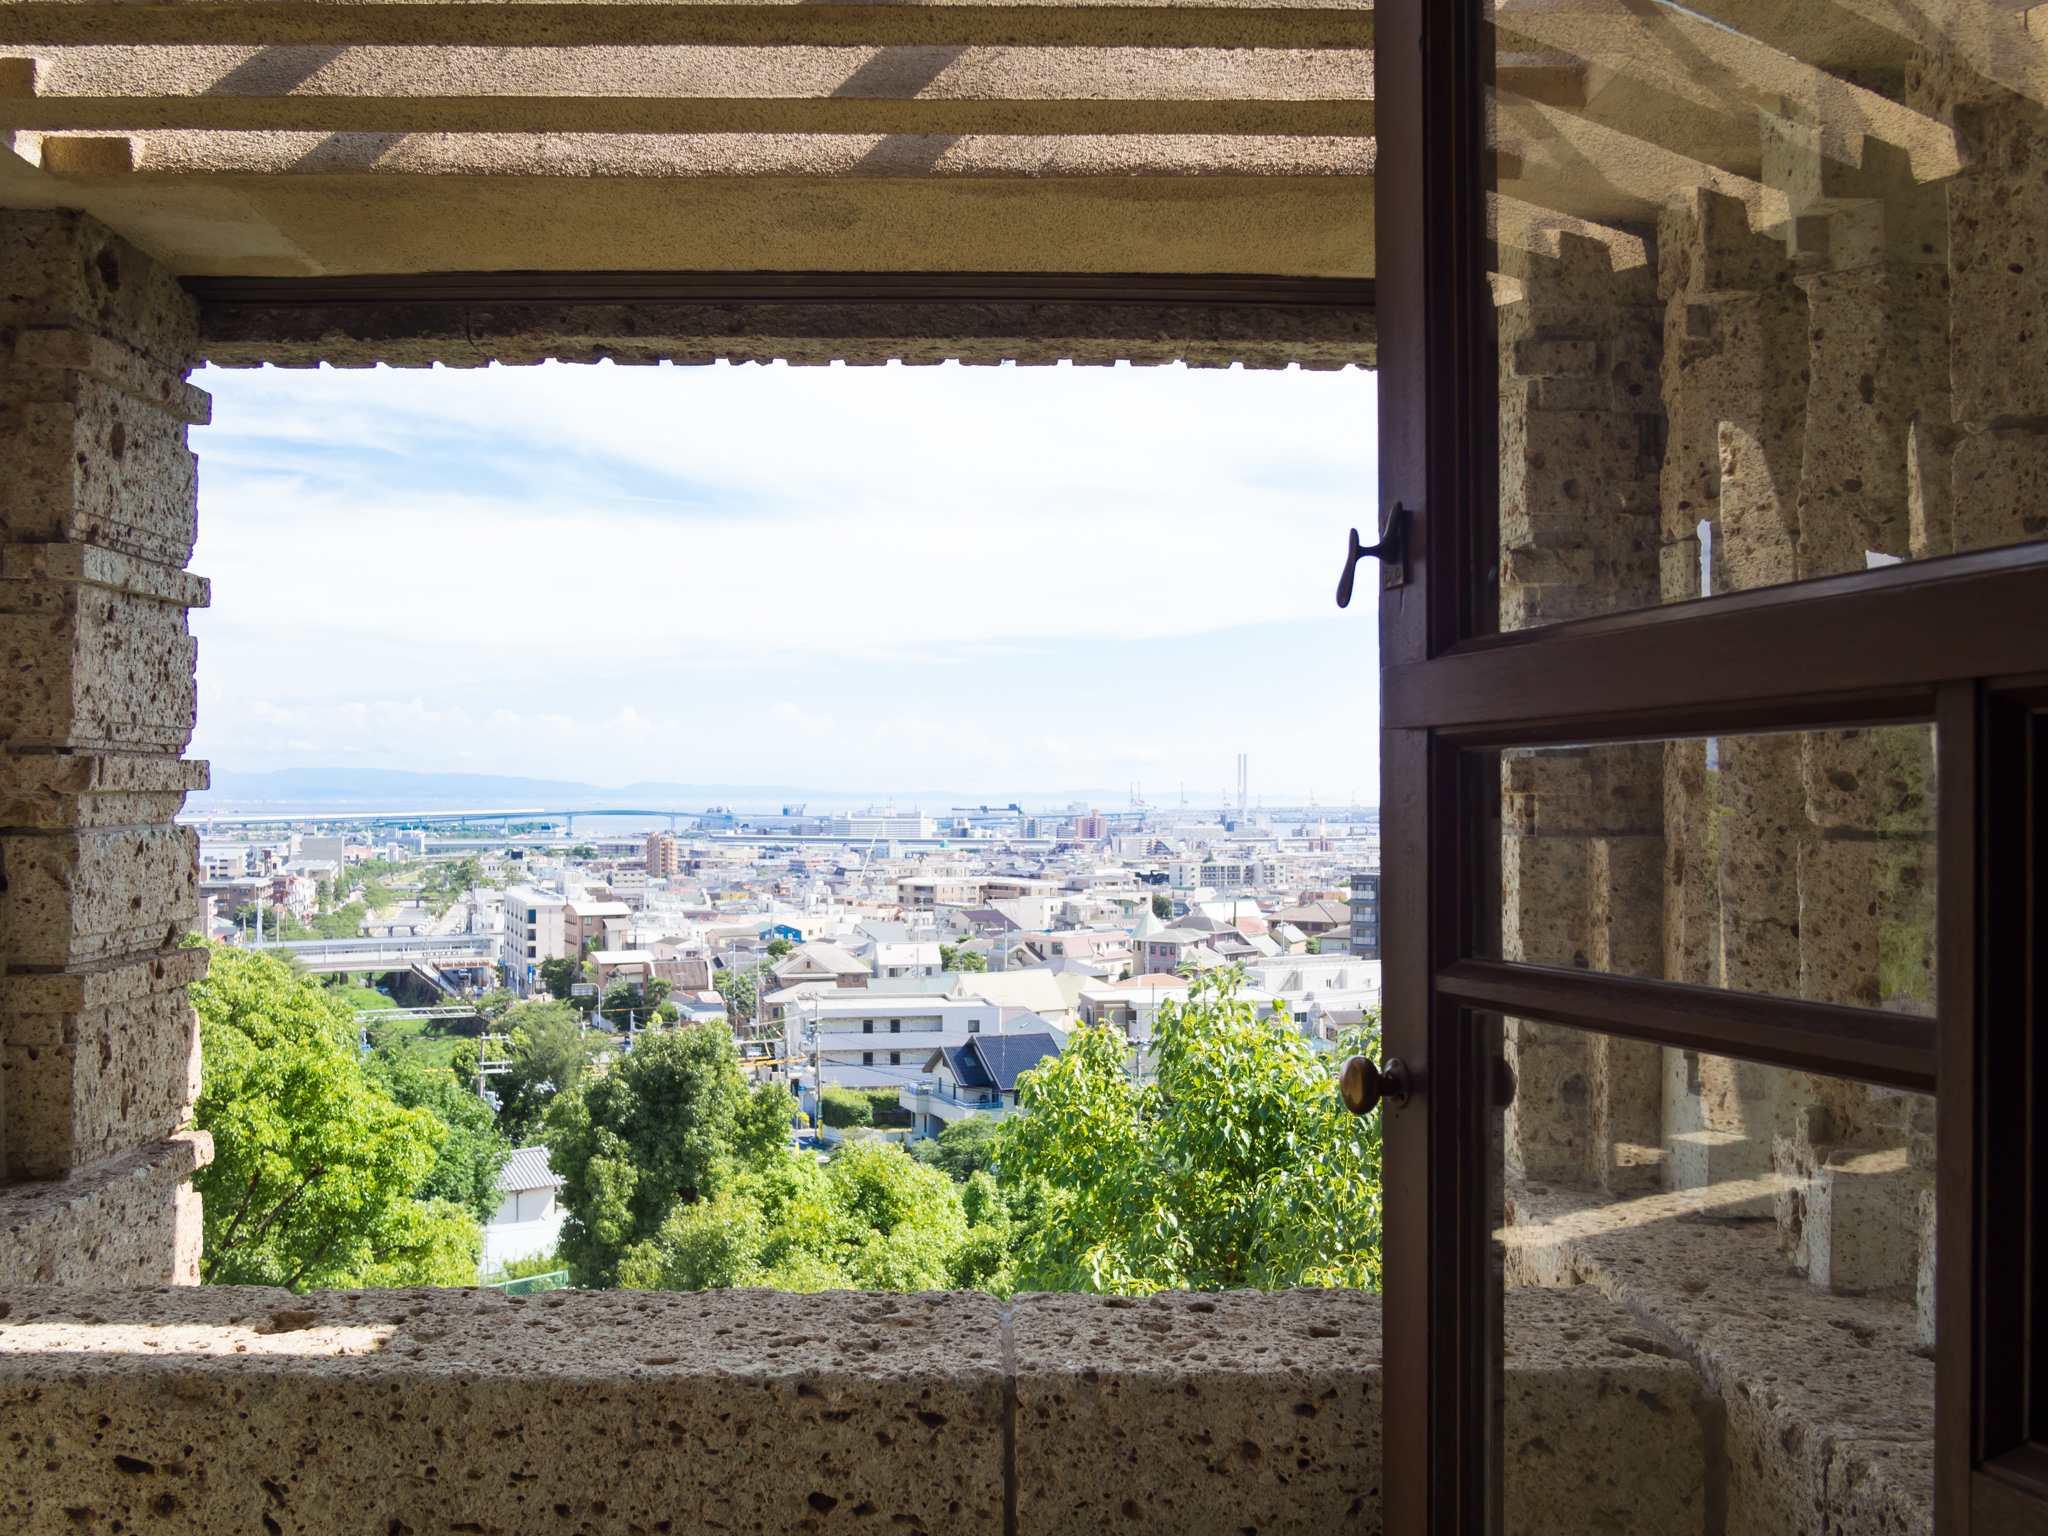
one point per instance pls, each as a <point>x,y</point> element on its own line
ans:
<point>1364,1087</point>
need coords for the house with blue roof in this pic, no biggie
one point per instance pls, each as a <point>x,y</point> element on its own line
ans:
<point>977,1078</point>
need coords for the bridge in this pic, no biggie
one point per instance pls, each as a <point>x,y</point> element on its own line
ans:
<point>209,819</point>
<point>328,956</point>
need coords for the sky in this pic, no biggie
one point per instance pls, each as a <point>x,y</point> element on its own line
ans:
<point>999,581</point>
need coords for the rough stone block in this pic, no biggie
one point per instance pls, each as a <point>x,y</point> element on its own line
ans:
<point>52,791</point>
<point>2001,488</point>
<point>242,1409</point>
<point>97,894</point>
<point>1183,1412</point>
<point>1829,1399</point>
<point>1603,1429</point>
<point>117,1222</point>
<point>64,269</point>
<point>1866,922</point>
<point>1879,364</point>
<point>95,668</point>
<point>119,1078</point>
<point>101,468</point>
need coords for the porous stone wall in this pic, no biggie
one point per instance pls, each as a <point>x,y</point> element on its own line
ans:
<point>431,1411</point>
<point>99,1047</point>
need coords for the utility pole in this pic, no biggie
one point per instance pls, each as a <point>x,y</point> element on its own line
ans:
<point>486,1068</point>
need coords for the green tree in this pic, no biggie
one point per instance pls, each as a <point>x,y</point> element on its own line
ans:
<point>641,1141</point>
<point>1238,1167</point>
<point>317,1173</point>
<point>962,1149</point>
<point>1313,947</point>
<point>472,1153</point>
<point>549,1052</point>
<point>739,992</point>
<point>1162,906</point>
<point>558,975</point>
<point>954,958</point>
<point>777,948</point>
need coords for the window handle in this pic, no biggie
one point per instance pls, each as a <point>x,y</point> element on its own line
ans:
<point>1364,1087</point>
<point>1391,552</point>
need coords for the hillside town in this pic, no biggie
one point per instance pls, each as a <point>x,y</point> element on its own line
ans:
<point>937,958</point>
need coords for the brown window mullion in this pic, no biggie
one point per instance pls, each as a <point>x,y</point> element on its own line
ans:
<point>1867,1044</point>
<point>1878,639</point>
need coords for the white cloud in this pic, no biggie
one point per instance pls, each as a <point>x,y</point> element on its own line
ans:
<point>977,578</point>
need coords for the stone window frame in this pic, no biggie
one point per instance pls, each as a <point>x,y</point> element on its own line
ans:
<point>1947,640</point>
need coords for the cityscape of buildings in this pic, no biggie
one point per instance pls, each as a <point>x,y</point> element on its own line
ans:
<point>939,955</point>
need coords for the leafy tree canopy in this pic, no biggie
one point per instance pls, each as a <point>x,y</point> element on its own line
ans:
<point>640,1141</point>
<point>472,1153</point>
<point>317,1174</point>
<point>954,958</point>
<point>1162,905</point>
<point>558,975</point>
<point>962,1149</point>
<point>1238,1167</point>
<point>549,1052</point>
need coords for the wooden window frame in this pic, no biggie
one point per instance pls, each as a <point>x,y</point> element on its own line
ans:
<point>1958,640</point>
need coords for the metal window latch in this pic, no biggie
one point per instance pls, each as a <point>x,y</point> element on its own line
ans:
<point>1364,1087</point>
<point>1391,552</point>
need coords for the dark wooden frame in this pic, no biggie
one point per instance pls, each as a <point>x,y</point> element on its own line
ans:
<point>1960,641</point>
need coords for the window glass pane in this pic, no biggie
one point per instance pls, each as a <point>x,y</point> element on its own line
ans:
<point>1769,282</point>
<point>1799,864</point>
<point>1718,1294</point>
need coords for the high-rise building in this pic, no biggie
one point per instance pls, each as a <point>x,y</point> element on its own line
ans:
<point>662,856</point>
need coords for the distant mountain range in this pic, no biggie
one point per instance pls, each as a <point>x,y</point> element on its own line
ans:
<point>385,789</point>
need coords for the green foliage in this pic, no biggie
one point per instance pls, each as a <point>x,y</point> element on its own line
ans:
<point>583,851</point>
<point>761,1122</point>
<point>1313,947</point>
<point>558,975</point>
<point>641,1142</point>
<point>1239,1167</point>
<point>519,1269</point>
<point>777,948</point>
<point>739,992</point>
<point>549,1053</point>
<point>954,958</point>
<point>843,1109</point>
<point>1162,906</point>
<point>317,1173</point>
<point>962,1149</point>
<point>472,1153</point>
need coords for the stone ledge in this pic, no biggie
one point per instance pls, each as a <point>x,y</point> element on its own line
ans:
<point>1829,1399</point>
<point>60,791</point>
<point>436,1411</point>
<point>107,984</point>
<point>92,565</point>
<point>110,362</point>
<point>128,1218</point>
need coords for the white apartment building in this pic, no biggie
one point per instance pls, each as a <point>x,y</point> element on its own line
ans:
<point>882,825</point>
<point>535,930</point>
<point>892,961</point>
<point>1231,872</point>
<point>880,1041</point>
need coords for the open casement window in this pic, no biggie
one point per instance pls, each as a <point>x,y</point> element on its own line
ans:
<point>1714,434</point>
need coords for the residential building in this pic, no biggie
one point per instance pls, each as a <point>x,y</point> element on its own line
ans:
<point>664,857</point>
<point>536,929</point>
<point>978,1077</point>
<point>921,893</point>
<point>629,965</point>
<point>871,1042</point>
<point>821,962</point>
<point>1365,915</point>
<point>882,826</point>
<point>530,1214</point>
<point>583,921</point>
